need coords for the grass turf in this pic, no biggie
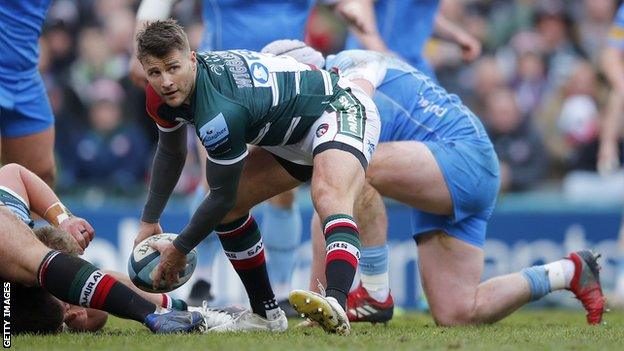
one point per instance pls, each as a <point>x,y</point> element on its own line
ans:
<point>525,330</point>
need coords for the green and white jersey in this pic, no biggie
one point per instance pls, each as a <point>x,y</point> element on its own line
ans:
<point>244,97</point>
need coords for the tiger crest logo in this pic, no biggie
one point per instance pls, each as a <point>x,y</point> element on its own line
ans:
<point>321,130</point>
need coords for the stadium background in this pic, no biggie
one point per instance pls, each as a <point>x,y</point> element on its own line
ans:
<point>542,52</point>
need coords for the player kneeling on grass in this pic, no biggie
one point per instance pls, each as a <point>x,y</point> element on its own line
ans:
<point>31,265</point>
<point>435,156</point>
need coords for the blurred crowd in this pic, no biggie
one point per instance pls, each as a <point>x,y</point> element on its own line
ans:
<point>536,86</point>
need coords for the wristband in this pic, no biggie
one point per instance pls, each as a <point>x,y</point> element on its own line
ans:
<point>56,214</point>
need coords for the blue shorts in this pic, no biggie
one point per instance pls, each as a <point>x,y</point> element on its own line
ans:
<point>24,107</point>
<point>471,171</point>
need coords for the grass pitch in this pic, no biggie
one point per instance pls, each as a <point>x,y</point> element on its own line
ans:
<point>526,330</point>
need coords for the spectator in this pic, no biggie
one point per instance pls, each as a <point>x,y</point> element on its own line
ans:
<point>517,143</point>
<point>113,153</point>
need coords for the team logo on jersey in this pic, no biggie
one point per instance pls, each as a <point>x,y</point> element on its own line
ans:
<point>321,130</point>
<point>260,73</point>
<point>215,136</point>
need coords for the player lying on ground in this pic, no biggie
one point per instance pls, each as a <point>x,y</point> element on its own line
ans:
<point>25,261</point>
<point>435,156</point>
<point>300,116</point>
<point>77,318</point>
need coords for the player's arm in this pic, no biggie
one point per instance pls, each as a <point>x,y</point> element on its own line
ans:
<point>149,10</point>
<point>359,15</point>
<point>166,169</point>
<point>612,64</point>
<point>223,184</point>
<point>42,200</point>
<point>445,29</point>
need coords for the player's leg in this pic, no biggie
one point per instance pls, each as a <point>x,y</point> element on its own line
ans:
<point>337,180</point>
<point>27,261</point>
<point>28,132</point>
<point>34,152</point>
<point>343,142</point>
<point>281,228</point>
<point>163,300</point>
<point>407,171</point>
<point>451,271</point>
<point>263,177</point>
<point>371,300</point>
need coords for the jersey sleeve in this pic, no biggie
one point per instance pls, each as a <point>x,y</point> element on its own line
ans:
<point>616,33</point>
<point>154,105</point>
<point>223,136</point>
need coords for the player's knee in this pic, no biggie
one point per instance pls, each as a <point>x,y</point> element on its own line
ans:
<point>454,315</point>
<point>324,197</point>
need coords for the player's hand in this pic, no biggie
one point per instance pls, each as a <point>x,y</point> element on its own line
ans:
<point>608,158</point>
<point>136,73</point>
<point>172,262</point>
<point>80,230</point>
<point>470,46</point>
<point>146,230</point>
<point>351,12</point>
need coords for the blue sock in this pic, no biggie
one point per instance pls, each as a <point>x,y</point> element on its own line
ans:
<point>374,260</point>
<point>374,271</point>
<point>538,281</point>
<point>281,234</point>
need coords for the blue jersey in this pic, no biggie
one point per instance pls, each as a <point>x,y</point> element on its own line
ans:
<point>616,33</point>
<point>250,24</point>
<point>20,28</point>
<point>405,26</point>
<point>413,107</point>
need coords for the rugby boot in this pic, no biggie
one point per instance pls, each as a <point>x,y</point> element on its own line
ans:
<point>361,307</point>
<point>326,311</point>
<point>214,317</point>
<point>174,322</point>
<point>248,321</point>
<point>585,284</point>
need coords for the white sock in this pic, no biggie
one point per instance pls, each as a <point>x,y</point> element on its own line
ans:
<point>560,274</point>
<point>377,286</point>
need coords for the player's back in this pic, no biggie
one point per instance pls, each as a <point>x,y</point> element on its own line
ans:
<point>412,106</point>
<point>276,98</point>
<point>20,28</point>
<point>250,24</point>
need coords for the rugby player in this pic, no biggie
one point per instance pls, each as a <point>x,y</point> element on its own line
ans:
<point>433,154</point>
<point>26,120</point>
<point>403,27</point>
<point>33,267</point>
<point>299,115</point>
<point>227,25</point>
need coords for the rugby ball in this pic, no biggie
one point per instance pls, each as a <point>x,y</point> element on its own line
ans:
<point>145,259</point>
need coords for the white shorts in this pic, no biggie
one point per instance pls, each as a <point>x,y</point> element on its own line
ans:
<point>351,123</point>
